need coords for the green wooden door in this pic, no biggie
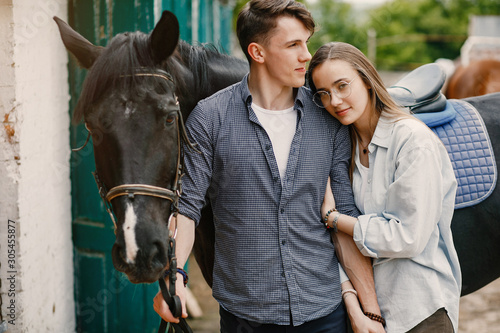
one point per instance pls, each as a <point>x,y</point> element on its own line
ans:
<point>105,300</point>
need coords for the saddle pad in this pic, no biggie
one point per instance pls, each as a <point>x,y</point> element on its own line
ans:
<point>471,154</point>
<point>433,119</point>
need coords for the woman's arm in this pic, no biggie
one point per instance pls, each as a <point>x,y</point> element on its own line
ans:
<point>403,228</point>
<point>356,265</point>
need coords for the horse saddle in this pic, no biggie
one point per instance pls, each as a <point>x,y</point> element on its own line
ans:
<point>420,90</point>
<point>459,126</point>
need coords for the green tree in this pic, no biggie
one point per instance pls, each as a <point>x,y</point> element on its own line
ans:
<point>413,32</point>
<point>334,18</point>
<point>336,21</point>
<point>409,33</point>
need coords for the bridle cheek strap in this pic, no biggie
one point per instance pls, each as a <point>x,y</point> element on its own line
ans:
<point>131,190</point>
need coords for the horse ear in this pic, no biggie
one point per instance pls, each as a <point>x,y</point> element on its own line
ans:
<point>85,52</point>
<point>165,36</point>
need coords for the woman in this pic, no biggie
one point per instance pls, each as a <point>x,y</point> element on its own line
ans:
<point>404,186</point>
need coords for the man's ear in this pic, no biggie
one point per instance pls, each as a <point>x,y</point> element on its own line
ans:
<point>256,52</point>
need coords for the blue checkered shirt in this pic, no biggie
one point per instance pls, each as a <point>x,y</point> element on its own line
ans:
<point>274,260</point>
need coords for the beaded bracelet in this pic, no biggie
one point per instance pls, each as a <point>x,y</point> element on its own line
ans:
<point>335,221</point>
<point>375,317</point>
<point>325,220</point>
<point>181,272</point>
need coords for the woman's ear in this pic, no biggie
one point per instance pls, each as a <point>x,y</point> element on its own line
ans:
<point>256,52</point>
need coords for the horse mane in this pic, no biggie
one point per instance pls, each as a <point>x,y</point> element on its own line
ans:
<point>191,67</point>
<point>199,60</point>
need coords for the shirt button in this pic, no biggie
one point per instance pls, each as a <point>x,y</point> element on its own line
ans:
<point>369,181</point>
<point>268,147</point>
<point>282,210</point>
<point>283,274</point>
<point>283,242</point>
<point>276,179</point>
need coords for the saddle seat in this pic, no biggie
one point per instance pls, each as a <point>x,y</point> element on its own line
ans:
<point>420,90</point>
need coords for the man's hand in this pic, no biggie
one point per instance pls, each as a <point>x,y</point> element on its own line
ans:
<point>184,244</point>
<point>161,306</point>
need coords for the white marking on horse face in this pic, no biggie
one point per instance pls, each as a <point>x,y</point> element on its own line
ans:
<point>129,109</point>
<point>131,247</point>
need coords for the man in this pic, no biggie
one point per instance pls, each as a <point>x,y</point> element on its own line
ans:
<point>267,152</point>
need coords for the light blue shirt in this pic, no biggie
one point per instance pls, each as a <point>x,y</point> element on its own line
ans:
<point>407,210</point>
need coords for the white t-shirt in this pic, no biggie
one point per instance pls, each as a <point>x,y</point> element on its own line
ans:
<point>359,199</point>
<point>280,126</point>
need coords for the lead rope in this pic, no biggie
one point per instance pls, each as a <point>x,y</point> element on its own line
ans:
<point>173,301</point>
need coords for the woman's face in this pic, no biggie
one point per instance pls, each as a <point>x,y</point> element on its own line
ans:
<point>334,75</point>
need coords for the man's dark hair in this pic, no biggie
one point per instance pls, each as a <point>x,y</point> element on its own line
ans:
<point>258,19</point>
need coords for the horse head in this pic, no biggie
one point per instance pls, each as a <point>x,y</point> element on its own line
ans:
<point>132,113</point>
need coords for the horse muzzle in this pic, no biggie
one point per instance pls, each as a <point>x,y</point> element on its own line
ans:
<point>141,251</point>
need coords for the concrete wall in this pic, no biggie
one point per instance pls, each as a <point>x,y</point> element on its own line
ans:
<point>37,284</point>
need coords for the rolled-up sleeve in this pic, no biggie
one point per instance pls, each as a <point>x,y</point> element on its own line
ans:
<point>197,165</point>
<point>413,207</point>
<point>339,173</point>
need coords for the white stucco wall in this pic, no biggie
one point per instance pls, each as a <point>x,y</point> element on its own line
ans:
<point>34,168</point>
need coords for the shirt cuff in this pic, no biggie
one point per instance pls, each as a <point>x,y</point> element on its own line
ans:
<point>359,235</point>
<point>184,210</point>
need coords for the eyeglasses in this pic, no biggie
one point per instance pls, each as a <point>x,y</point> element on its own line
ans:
<point>341,89</point>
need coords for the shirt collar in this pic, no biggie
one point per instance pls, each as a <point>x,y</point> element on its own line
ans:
<point>300,98</point>
<point>383,132</point>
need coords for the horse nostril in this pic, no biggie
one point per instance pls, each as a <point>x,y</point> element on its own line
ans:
<point>157,256</point>
<point>119,257</point>
<point>123,255</point>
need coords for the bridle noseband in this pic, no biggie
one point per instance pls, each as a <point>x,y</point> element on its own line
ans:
<point>131,190</point>
<point>173,194</point>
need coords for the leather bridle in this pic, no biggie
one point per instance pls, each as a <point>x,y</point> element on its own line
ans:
<point>173,194</point>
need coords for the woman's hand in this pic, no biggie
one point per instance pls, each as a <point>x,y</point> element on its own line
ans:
<point>363,324</point>
<point>328,201</point>
<point>359,322</point>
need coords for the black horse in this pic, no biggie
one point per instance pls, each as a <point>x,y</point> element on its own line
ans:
<point>128,104</point>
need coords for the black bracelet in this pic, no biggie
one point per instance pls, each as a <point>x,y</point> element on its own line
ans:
<point>181,272</point>
<point>375,317</point>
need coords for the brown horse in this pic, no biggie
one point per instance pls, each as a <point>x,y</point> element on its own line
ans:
<point>478,78</point>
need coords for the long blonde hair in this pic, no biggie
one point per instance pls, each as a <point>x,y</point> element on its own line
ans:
<point>382,102</point>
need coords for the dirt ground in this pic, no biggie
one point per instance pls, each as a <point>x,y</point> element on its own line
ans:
<point>479,311</point>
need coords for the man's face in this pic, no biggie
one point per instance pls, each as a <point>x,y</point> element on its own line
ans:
<point>286,53</point>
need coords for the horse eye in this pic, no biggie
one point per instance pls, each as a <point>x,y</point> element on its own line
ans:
<point>170,119</point>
